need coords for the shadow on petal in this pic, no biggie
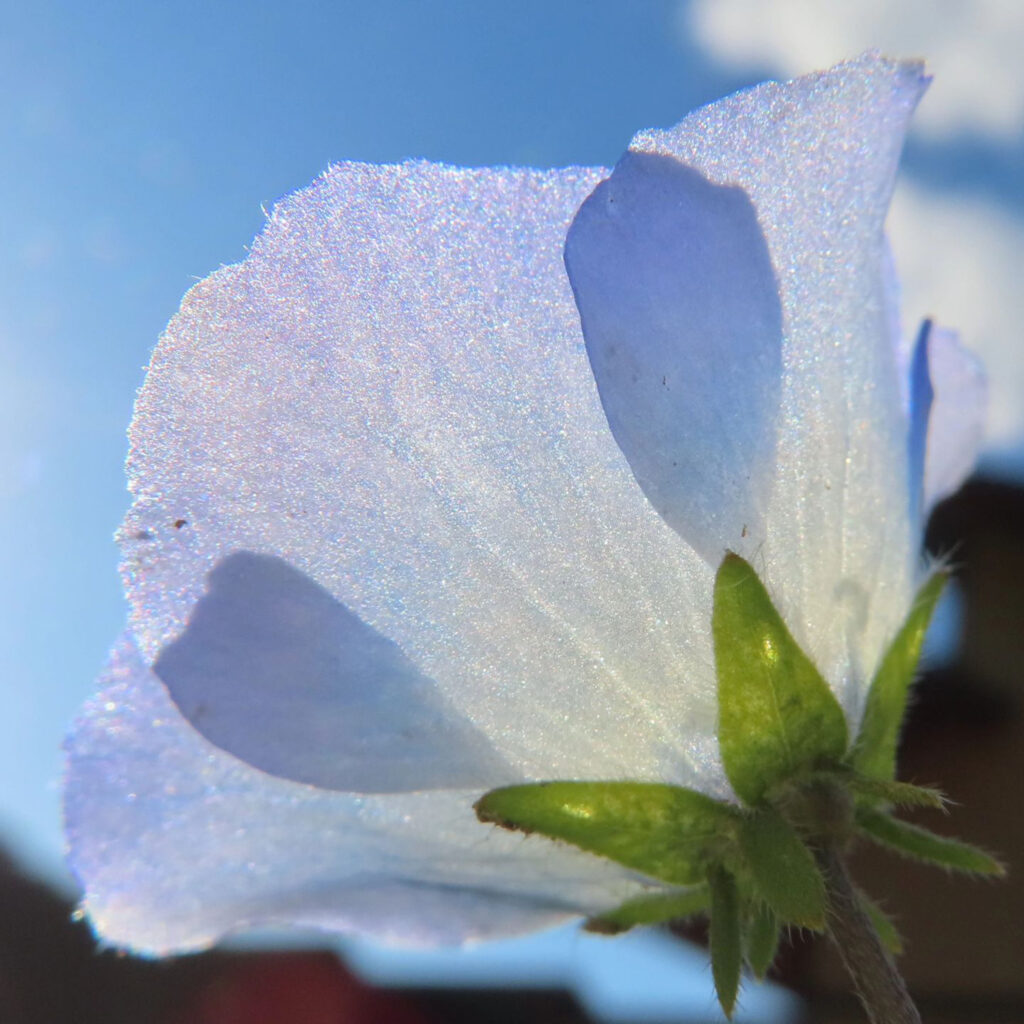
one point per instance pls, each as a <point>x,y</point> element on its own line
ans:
<point>683,325</point>
<point>274,670</point>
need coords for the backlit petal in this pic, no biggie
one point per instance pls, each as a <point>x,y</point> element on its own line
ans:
<point>277,672</point>
<point>178,843</point>
<point>956,427</point>
<point>835,542</point>
<point>392,395</point>
<point>681,315</point>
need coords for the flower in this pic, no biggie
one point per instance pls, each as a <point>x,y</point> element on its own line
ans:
<point>402,532</point>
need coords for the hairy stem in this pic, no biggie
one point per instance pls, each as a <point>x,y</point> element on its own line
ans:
<point>874,975</point>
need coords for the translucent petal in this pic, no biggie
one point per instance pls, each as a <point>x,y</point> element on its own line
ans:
<point>817,158</point>
<point>680,311</point>
<point>922,397</point>
<point>177,843</point>
<point>277,672</point>
<point>392,395</point>
<point>956,426</point>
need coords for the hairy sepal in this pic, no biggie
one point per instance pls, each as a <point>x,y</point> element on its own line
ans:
<point>760,939</point>
<point>874,753</point>
<point>782,870</point>
<point>922,845</point>
<point>657,908</point>
<point>777,716</point>
<point>667,832</point>
<point>896,794</point>
<point>725,937</point>
<point>883,924</point>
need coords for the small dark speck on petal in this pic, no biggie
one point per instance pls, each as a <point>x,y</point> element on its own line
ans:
<point>179,523</point>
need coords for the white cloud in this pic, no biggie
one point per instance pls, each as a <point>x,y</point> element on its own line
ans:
<point>973,47</point>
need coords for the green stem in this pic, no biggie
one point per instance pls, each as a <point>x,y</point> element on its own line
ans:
<point>874,975</point>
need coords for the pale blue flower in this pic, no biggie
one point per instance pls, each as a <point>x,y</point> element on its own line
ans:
<point>385,552</point>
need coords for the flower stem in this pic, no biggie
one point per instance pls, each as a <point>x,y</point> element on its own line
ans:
<point>874,975</point>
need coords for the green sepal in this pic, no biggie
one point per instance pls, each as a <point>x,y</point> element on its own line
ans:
<point>654,909</point>
<point>777,716</point>
<point>725,937</point>
<point>667,832</point>
<point>898,794</point>
<point>782,870</point>
<point>882,923</point>
<point>761,939</point>
<point>874,752</point>
<point>922,845</point>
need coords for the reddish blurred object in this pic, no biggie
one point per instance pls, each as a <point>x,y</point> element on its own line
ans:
<point>297,988</point>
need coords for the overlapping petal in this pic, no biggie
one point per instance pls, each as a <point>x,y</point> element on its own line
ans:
<point>274,670</point>
<point>956,426</point>
<point>391,395</point>
<point>680,311</point>
<point>807,440</point>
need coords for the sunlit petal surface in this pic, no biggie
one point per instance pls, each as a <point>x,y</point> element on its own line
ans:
<point>392,396</point>
<point>277,672</point>
<point>178,843</point>
<point>817,158</point>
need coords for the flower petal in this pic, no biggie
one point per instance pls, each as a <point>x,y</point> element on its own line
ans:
<point>922,396</point>
<point>177,843</point>
<point>274,670</point>
<point>681,316</point>
<point>817,158</point>
<point>956,426</point>
<point>392,395</point>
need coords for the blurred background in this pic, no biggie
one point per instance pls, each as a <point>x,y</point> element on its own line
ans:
<point>140,144</point>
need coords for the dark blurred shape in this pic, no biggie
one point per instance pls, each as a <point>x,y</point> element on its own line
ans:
<point>52,973</point>
<point>982,530</point>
